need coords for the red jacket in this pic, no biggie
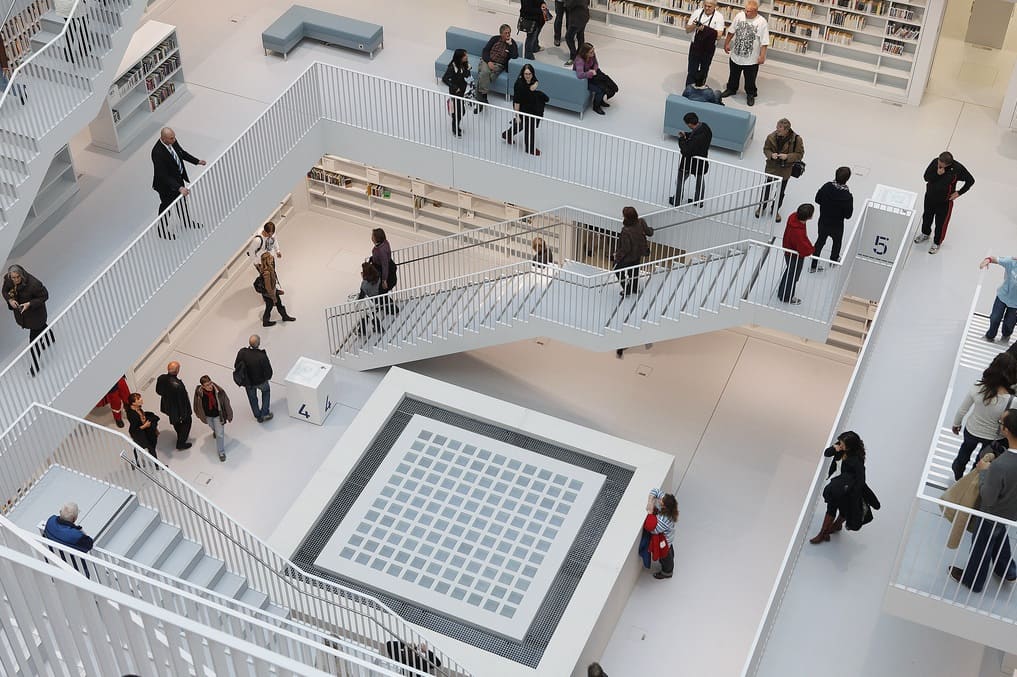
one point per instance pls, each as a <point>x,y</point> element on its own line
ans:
<point>796,238</point>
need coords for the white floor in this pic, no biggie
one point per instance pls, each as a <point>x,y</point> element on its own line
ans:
<point>745,419</point>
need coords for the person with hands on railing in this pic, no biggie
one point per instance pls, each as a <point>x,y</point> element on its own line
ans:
<point>997,492</point>
<point>848,498</point>
<point>983,404</point>
<point>632,246</point>
<point>1004,306</point>
<point>455,77</point>
<point>169,174</point>
<point>836,205</point>
<point>796,238</point>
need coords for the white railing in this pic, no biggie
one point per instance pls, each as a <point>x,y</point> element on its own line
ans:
<point>43,437</point>
<point>279,635</point>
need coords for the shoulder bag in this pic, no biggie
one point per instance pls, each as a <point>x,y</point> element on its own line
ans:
<point>526,25</point>
<point>798,166</point>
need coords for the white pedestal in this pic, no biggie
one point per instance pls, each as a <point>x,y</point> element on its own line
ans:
<point>311,390</point>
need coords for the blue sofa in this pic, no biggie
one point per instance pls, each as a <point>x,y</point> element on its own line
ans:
<point>561,85</point>
<point>473,42</point>
<point>299,22</point>
<point>732,127</point>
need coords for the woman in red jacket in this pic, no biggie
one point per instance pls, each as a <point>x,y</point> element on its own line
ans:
<point>796,238</point>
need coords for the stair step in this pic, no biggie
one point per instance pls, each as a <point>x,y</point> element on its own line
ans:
<point>849,325</point>
<point>255,598</point>
<point>126,538</point>
<point>158,545</point>
<point>182,558</point>
<point>230,585</point>
<point>43,37</point>
<point>721,280</point>
<point>277,610</point>
<point>856,309</point>
<point>51,22</point>
<point>206,571</point>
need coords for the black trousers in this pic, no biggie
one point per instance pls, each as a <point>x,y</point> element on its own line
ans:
<point>835,232</point>
<point>750,78</point>
<point>164,202</point>
<point>683,175</point>
<point>559,16</point>
<point>528,126</point>
<point>628,276</point>
<point>699,64</point>
<point>575,36</point>
<point>789,280</point>
<point>183,430</point>
<point>780,198</point>
<point>268,307</point>
<point>40,346</point>
<point>458,109</point>
<point>939,212</point>
<point>990,547</point>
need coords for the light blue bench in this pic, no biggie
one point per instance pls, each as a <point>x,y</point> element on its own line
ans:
<point>564,90</point>
<point>299,22</point>
<point>732,128</point>
<point>473,42</point>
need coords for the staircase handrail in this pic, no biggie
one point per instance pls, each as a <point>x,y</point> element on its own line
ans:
<point>139,581</point>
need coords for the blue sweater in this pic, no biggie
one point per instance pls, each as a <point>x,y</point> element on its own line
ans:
<point>68,533</point>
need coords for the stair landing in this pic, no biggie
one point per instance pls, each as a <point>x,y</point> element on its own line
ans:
<point>98,502</point>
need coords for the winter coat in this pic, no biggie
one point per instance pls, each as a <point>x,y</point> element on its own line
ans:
<point>632,243</point>
<point>848,492</point>
<point>455,78</point>
<point>529,101</point>
<point>32,292</point>
<point>174,402</point>
<point>68,533</point>
<point>267,271</point>
<point>836,204</point>
<point>259,369</point>
<point>791,144</point>
<point>222,401</point>
<point>695,144</point>
<point>796,237</point>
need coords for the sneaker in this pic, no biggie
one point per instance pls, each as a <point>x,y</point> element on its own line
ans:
<point>222,458</point>
<point>605,104</point>
<point>990,339</point>
<point>269,416</point>
<point>920,238</point>
<point>726,93</point>
<point>598,110</point>
<point>120,423</point>
<point>933,249</point>
<point>260,419</point>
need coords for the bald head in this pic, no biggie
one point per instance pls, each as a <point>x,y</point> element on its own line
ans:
<point>255,340</point>
<point>173,368</point>
<point>168,136</point>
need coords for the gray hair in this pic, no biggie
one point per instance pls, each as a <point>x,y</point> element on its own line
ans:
<point>254,341</point>
<point>17,269</point>
<point>69,513</point>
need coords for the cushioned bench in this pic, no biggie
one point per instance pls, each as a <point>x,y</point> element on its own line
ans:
<point>561,85</point>
<point>299,22</point>
<point>732,128</point>
<point>473,42</point>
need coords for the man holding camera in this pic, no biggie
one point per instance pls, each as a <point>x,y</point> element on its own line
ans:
<point>695,147</point>
<point>706,23</point>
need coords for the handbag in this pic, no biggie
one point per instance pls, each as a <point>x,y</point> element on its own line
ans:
<point>798,166</point>
<point>526,25</point>
<point>259,285</point>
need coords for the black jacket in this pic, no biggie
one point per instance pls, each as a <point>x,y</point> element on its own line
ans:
<point>259,369</point>
<point>531,9</point>
<point>939,187</point>
<point>531,102</point>
<point>513,49</point>
<point>175,402</point>
<point>695,144</point>
<point>836,204</point>
<point>168,179</point>
<point>32,292</point>
<point>632,243</point>
<point>577,12</point>
<point>849,493</point>
<point>455,78</point>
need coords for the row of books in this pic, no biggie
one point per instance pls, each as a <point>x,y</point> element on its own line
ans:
<point>633,9</point>
<point>156,77</point>
<point>838,37</point>
<point>151,59</point>
<point>877,7</point>
<point>17,32</point>
<point>855,21</point>
<point>783,44</point>
<point>331,178</point>
<point>127,81</point>
<point>891,47</point>
<point>902,31</point>
<point>378,190</point>
<point>902,13</point>
<point>687,5</point>
<point>156,98</point>
<point>782,25</point>
<point>674,18</point>
<point>796,9</point>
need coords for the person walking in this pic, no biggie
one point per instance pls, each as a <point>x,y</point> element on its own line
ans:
<point>252,370</point>
<point>1004,306</point>
<point>455,77</point>
<point>170,178</point>
<point>983,404</point>
<point>494,60</point>
<point>143,426</point>
<point>61,528</point>
<point>836,205</point>
<point>747,39</point>
<point>782,149</point>
<point>941,178</point>
<point>796,238</point>
<point>175,403</point>
<point>695,147</point>
<point>631,248</point>
<point>661,518</point>
<point>575,35</point>
<point>264,241</point>
<point>997,493</point>
<point>381,258</point>
<point>267,284</point>
<point>212,407</point>
<point>370,287</point>
<point>541,252</point>
<point>529,102</point>
<point>587,68</point>
<point>848,498</point>
<point>531,20</point>
<point>705,24</point>
<point>26,296</point>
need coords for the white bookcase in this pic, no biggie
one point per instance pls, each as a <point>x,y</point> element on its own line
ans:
<point>349,188</point>
<point>865,45</point>
<point>150,76</point>
<point>58,185</point>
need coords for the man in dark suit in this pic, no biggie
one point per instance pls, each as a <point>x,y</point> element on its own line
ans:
<point>170,174</point>
<point>694,144</point>
<point>175,403</point>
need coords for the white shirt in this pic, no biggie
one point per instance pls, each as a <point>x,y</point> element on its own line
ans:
<point>261,244</point>
<point>714,21</point>
<point>63,8</point>
<point>749,36</point>
<point>984,419</point>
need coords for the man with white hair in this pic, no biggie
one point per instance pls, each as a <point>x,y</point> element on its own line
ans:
<point>62,529</point>
<point>747,39</point>
<point>252,371</point>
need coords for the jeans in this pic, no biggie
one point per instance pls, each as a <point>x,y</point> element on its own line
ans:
<point>531,43</point>
<point>970,443</point>
<point>575,36</point>
<point>1001,313</point>
<point>699,64</point>
<point>836,235</point>
<point>789,280</point>
<point>266,398</point>
<point>990,545</point>
<point>559,16</point>
<point>750,78</point>
<point>219,430</point>
<point>598,93</point>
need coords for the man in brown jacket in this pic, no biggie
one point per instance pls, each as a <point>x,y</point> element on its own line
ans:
<point>212,406</point>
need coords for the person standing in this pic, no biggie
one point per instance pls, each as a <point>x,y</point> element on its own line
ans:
<point>143,426</point>
<point>267,284</point>
<point>1004,306</point>
<point>528,100</point>
<point>941,178</point>
<point>381,258</point>
<point>782,149</point>
<point>455,77</point>
<point>531,20</point>
<point>169,174</point>
<point>847,496</point>
<point>26,296</point>
<point>661,518</point>
<point>575,35</point>
<point>747,39</point>
<point>631,248</point>
<point>62,529</point>
<point>212,407</point>
<point>984,403</point>
<point>836,205</point>
<point>494,59</point>
<point>796,238</point>
<point>559,17</point>
<point>695,148</point>
<point>997,493</point>
<point>175,403</point>
<point>706,23</point>
<point>116,398</point>
<point>253,371</point>
<point>264,241</point>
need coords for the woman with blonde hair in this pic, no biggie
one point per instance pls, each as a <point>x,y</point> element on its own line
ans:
<point>267,284</point>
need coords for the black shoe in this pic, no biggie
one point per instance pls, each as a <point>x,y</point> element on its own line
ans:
<point>222,458</point>
<point>557,42</point>
<point>957,574</point>
<point>727,92</point>
<point>268,323</point>
<point>618,353</point>
<point>750,100</point>
<point>260,419</point>
<point>538,48</point>
<point>287,318</point>
<point>120,423</point>
<point>605,104</point>
<point>598,110</point>
<point>660,576</point>
<point>671,201</point>
<point>269,416</point>
<point>185,445</point>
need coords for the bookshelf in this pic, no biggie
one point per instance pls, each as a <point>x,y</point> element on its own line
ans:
<point>865,45</point>
<point>18,31</point>
<point>352,189</point>
<point>150,75</point>
<point>58,185</point>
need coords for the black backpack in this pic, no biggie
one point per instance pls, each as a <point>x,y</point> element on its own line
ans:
<point>240,374</point>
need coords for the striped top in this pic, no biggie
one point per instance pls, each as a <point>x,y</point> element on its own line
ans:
<point>664,524</point>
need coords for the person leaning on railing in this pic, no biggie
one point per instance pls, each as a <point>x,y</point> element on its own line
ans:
<point>984,403</point>
<point>1004,306</point>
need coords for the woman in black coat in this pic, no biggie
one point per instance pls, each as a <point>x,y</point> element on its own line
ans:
<point>527,98</point>
<point>848,498</point>
<point>26,296</point>
<point>455,78</point>
<point>144,425</point>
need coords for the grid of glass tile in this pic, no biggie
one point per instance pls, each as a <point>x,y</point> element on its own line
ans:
<point>465,524</point>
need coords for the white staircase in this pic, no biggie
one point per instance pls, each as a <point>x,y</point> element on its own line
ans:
<point>50,98</point>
